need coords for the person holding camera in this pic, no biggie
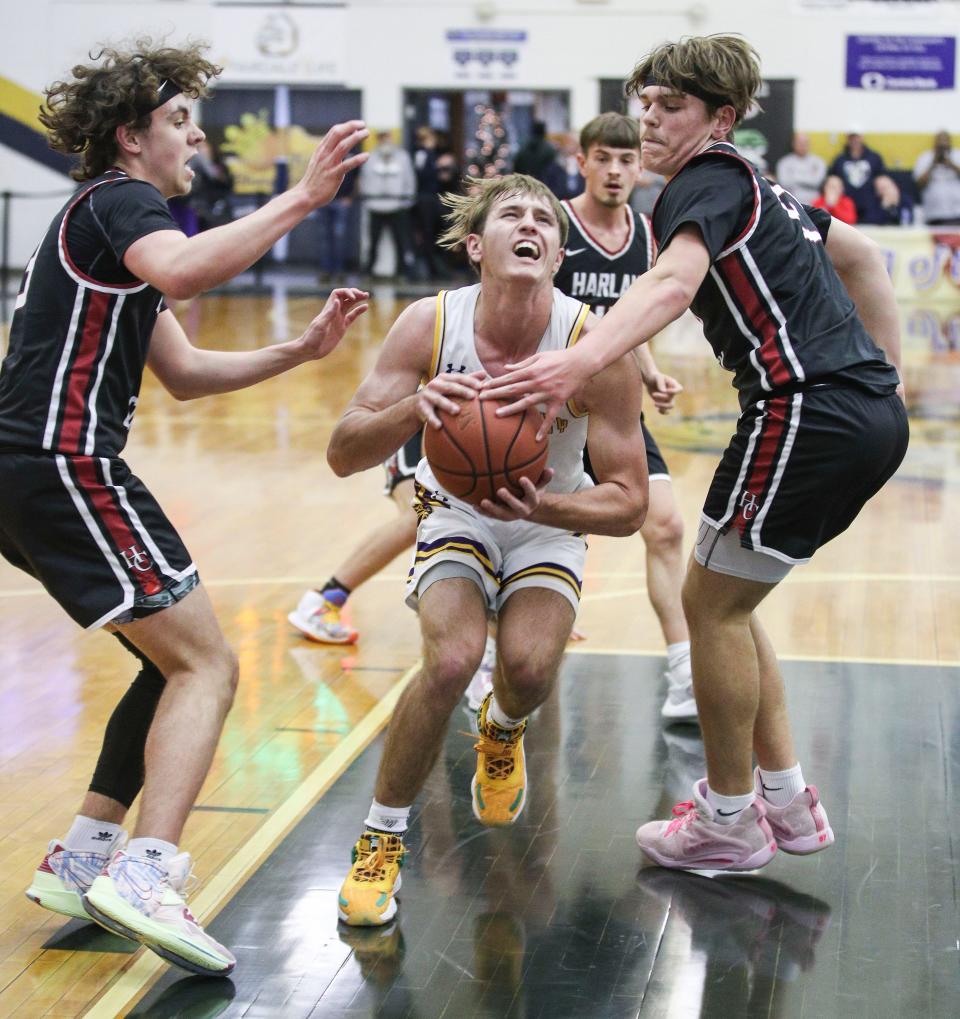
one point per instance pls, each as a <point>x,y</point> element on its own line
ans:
<point>937,173</point>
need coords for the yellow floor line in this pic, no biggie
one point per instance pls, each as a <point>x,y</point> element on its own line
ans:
<point>133,982</point>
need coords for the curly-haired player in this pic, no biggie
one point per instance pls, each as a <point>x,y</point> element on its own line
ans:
<point>89,316</point>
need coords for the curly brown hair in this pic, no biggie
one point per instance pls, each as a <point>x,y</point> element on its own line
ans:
<point>122,87</point>
<point>724,70</point>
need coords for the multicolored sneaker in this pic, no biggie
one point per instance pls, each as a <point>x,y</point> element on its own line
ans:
<point>368,894</point>
<point>680,705</point>
<point>694,841</point>
<point>144,900</point>
<point>319,619</point>
<point>482,682</point>
<point>61,881</point>
<point>801,827</point>
<point>499,786</point>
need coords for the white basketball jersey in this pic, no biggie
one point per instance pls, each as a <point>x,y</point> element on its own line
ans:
<point>455,350</point>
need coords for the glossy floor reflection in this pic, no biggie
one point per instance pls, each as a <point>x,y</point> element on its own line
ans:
<point>560,917</point>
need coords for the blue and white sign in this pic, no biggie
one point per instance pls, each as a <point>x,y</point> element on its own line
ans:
<point>902,63</point>
<point>485,54</point>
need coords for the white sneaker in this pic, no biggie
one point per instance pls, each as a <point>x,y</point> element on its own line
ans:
<point>65,875</point>
<point>144,901</point>
<point>680,705</point>
<point>482,682</point>
<point>319,619</point>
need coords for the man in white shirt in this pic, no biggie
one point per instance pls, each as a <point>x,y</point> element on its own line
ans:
<point>800,171</point>
<point>937,173</point>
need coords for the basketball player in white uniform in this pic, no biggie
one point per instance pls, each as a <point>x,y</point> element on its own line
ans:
<point>519,558</point>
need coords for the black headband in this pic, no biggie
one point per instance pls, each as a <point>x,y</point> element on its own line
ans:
<point>690,87</point>
<point>168,89</point>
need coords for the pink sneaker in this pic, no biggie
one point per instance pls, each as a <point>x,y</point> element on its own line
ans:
<point>694,841</point>
<point>801,827</point>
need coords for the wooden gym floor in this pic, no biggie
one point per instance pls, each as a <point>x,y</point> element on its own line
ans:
<point>558,916</point>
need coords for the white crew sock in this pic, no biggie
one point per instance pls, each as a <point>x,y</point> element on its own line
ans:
<point>780,787</point>
<point>155,850</point>
<point>391,819</point>
<point>727,809</point>
<point>678,662</point>
<point>87,835</point>
<point>496,716</point>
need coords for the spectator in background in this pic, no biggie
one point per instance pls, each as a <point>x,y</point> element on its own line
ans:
<point>858,166</point>
<point>388,185</point>
<point>570,180</point>
<point>334,223</point>
<point>895,207</point>
<point>427,219</point>
<point>800,171</point>
<point>839,205</point>
<point>536,157</point>
<point>937,173</point>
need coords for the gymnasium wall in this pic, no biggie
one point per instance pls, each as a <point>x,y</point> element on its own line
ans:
<point>382,46</point>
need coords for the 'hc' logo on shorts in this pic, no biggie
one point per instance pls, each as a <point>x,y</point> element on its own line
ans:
<point>748,505</point>
<point>136,559</point>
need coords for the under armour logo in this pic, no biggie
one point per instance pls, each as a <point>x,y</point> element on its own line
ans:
<point>136,559</point>
<point>458,371</point>
<point>748,505</point>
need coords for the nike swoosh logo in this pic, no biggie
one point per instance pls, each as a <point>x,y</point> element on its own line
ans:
<point>770,788</point>
<point>573,251</point>
<point>729,813</point>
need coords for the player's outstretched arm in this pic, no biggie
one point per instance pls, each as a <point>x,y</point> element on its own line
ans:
<point>182,267</point>
<point>861,268</point>
<point>387,407</point>
<point>188,372</point>
<point>653,301</point>
<point>617,505</point>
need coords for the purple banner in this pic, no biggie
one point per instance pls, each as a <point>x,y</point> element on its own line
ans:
<point>902,63</point>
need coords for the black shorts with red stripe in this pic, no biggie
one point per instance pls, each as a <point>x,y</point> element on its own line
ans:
<point>92,534</point>
<point>803,464</point>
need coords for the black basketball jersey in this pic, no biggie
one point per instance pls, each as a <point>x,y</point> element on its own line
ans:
<point>771,305</point>
<point>593,274</point>
<point>82,324</point>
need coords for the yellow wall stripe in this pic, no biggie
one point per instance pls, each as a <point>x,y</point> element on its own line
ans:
<point>20,103</point>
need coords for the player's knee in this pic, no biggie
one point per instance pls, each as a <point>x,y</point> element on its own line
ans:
<point>529,677</point>
<point>663,528</point>
<point>449,669</point>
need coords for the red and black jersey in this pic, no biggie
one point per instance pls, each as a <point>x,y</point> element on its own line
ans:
<point>82,324</point>
<point>772,306</point>
<point>594,274</point>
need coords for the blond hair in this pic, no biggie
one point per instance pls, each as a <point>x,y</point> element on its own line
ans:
<point>722,70</point>
<point>468,213</point>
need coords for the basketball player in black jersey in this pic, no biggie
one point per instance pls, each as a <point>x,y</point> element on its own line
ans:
<point>801,310</point>
<point>609,246</point>
<point>90,314</point>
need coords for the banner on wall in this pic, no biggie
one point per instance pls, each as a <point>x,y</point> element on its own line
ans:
<point>924,63</point>
<point>923,262</point>
<point>289,44</point>
<point>486,54</point>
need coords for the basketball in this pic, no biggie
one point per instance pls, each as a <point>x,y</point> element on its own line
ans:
<point>476,452</point>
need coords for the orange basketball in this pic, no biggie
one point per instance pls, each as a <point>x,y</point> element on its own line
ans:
<point>475,452</point>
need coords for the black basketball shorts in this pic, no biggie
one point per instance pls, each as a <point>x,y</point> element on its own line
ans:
<point>402,466</point>
<point>802,465</point>
<point>92,534</point>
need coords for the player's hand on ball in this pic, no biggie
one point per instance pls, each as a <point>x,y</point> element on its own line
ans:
<point>510,506</point>
<point>445,392</point>
<point>344,306</point>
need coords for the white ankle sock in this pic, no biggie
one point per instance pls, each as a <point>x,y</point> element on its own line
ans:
<point>780,787</point>
<point>391,819</point>
<point>87,835</point>
<point>496,715</point>
<point>154,850</point>
<point>727,809</point>
<point>678,661</point>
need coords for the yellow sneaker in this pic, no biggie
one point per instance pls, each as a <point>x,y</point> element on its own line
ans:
<point>367,896</point>
<point>499,787</point>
